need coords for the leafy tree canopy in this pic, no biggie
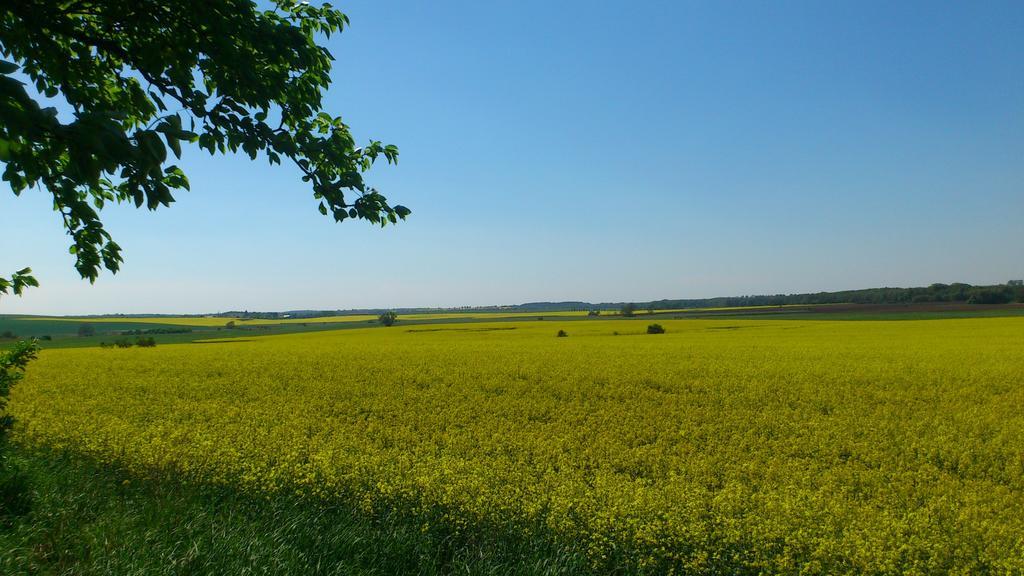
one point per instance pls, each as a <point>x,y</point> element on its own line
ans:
<point>142,77</point>
<point>388,318</point>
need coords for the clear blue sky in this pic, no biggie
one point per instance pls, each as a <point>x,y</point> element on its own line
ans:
<point>605,151</point>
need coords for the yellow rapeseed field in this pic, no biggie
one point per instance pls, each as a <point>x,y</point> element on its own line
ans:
<point>720,446</point>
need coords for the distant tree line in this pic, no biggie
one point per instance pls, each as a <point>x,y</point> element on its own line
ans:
<point>956,292</point>
<point>156,331</point>
<point>1012,291</point>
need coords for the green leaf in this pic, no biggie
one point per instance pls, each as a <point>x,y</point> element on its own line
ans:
<point>174,144</point>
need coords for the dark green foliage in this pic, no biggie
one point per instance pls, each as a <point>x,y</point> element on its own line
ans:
<point>145,342</point>
<point>123,343</point>
<point>388,318</point>
<point>8,334</point>
<point>142,77</point>
<point>562,334</point>
<point>628,309</point>
<point>14,488</point>
<point>655,329</point>
<point>993,296</point>
<point>12,368</point>
<point>85,330</point>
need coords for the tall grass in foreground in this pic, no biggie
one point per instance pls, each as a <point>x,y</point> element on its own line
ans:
<point>91,519</point>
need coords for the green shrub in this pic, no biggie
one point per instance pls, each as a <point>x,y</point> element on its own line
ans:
<point>655,329</point>
<point>145,342</point>
<point>562,334</point>
<point>14,490</point>
<point>15,493</point>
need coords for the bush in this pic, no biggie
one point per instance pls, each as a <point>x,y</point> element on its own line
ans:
<point>8,334</point>
<point>562,334</point>
<point>388,318</point>
<point>655,329</point>
<point>123,343</point>
<point>628,309</point>
<point>147,342</point>
<point>86,330</point>
<point>46,337</point>
<point>15,493</point>
<point>14,490</point>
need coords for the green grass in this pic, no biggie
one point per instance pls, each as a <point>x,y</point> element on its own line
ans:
<point>109,332</point>
<point>27,327</point>
<point>89,519</point>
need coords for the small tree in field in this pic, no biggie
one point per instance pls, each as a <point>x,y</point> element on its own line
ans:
<point>86,330</point>
<point>628,309</point>
<point>655,329</point>
<point>388,318</point>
